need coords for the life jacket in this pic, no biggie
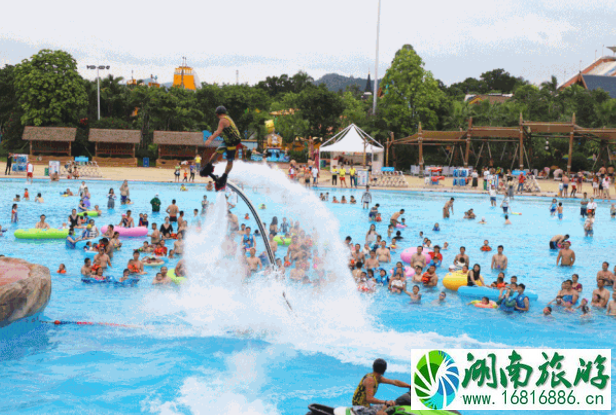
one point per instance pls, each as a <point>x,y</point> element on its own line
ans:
<point>133,269</point>
<point>425,279</point>
<point>160,251</point>
<point>486,248</point>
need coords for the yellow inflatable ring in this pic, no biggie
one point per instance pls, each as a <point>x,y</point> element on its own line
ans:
<point>455,280</point>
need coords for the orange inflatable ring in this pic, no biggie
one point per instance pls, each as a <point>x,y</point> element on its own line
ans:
<point>437,178</point>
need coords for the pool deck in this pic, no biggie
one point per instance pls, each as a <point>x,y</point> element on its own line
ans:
<point>549,187</point>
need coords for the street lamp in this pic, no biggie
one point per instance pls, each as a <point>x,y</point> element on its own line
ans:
<point>98,84</point>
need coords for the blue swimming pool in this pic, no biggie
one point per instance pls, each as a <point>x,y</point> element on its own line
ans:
<point>221,345</point>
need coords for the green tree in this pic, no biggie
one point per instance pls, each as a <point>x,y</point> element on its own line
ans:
<point>322,109</point>
<point>355,109</point>
<point>50,90</point>
<point>412,94</point>
<point>11,129</point>
<point>551,86</point>
<point>459,114</point>
<point>499,80</point>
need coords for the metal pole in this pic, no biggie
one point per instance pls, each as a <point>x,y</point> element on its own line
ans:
<point>376,64</point>
<point>98,92</point>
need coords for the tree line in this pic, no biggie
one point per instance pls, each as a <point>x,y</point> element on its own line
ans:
<point>47,90</point>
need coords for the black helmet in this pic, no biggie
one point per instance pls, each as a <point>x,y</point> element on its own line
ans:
<point>379,366</point>
<point>221,110</point>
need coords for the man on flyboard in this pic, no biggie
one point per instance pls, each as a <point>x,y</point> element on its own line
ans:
<point>231,139</point>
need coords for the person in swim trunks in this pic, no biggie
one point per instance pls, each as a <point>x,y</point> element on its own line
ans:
<point>364,402</point>
<point>558,240</point>
<point>231,139</point>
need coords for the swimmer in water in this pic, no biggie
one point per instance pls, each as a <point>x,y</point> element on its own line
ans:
<point>553,207</point>
<point>415,295</point>
<point>566,256</point>
<point>499,260</point>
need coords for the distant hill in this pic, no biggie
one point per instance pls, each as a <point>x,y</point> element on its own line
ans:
<point>336,82</point>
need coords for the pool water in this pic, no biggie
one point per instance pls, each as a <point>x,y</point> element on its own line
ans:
<point>219,345</point>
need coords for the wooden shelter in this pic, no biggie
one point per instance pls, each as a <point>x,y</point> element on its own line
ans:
<point>50,140</point>
<point>519,136</point>
<point>113,143</point>
<point>178,145</point>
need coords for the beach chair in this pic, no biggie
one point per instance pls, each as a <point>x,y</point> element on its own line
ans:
<point>545,174</point>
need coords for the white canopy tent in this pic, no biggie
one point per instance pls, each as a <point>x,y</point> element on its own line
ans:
<point>352,143</point>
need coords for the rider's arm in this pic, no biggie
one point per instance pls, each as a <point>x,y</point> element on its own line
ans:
<point>394,382</point>
<point>221,126</point>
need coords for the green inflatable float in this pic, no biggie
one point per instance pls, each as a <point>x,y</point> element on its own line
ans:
<point>282,241</point>
<point>91,213</point>
<point>41,233</point>
<point>175,278</point>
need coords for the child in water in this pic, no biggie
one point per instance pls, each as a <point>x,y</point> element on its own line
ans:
<point>553,208</point>
<point>14,213</point>
<point>560,211</point>
<point>415,296</point>
<point>436,228</point>
<point>61,269</point>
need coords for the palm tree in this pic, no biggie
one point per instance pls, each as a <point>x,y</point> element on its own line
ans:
<point>458,116</point>
<point>551,85</point>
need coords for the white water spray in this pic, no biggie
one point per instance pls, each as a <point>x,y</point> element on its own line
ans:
<point>331,319</point>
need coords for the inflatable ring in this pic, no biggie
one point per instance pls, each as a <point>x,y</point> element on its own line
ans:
<point>41,233</point>
<point>400,226</point>
<point>491,293</point>
<point>90,213</point>
<point>437,178</point>
<point>455,280</point>
<point>262,206</point>
<point>406,255</point>
<point>128,232</point>
<point>157,264</point>
<point>479,304</point>
<point>282,241</point>
<point>175,278</point>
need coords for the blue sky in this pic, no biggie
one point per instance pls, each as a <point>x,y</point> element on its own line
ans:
<point>456,39</point>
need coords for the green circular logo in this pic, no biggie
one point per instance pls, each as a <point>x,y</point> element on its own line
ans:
<point>436,379</point>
